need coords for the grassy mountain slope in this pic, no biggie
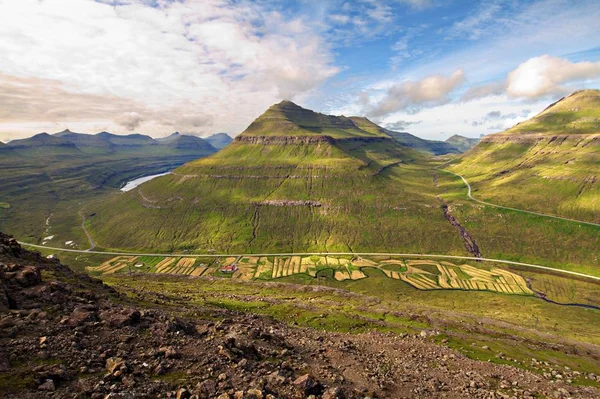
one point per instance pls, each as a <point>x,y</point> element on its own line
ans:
<point>578,113</point>
<point>549,164</point>
<point>462,143</point>
<point>295,180</point>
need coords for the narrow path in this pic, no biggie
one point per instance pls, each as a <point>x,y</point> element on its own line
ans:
<point>87,233</point>
<point>516,209</point>
<point>508,262</point>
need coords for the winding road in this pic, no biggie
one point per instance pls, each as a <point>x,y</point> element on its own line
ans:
<point>507,262</point>
<point>516,209</point>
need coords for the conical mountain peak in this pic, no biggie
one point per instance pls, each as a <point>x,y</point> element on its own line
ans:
<point>289,119</point>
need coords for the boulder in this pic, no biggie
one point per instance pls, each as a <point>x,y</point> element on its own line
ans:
<point>120,319</point>
<point>308,385</point>
<point>114,363</point>
<point>28,276</point>
<point>47,386</point>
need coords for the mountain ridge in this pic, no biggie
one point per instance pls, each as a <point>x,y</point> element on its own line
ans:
<point>288,119</point>
<point>577,113</point>
<point>106,142</point>
<point>288,156</point>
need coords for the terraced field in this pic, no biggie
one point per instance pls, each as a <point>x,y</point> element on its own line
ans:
<point>420,274</point>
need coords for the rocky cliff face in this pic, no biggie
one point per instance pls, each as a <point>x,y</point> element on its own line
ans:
<point>296,140</point>
<point>533,138</point>
<point>284,140</point>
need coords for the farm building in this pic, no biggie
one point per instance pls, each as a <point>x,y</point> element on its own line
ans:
<point>229,268</point>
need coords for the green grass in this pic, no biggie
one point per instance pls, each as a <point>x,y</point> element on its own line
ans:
<point>360,210</point>
<point>548,164</point>
<point>522,237</point>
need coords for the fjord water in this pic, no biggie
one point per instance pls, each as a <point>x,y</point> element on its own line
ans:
<point>130,185</point>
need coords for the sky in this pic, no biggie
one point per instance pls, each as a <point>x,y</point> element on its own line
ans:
<point>430,67</point>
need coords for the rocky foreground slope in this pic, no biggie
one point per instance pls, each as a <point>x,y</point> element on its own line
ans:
<point>64,334</point>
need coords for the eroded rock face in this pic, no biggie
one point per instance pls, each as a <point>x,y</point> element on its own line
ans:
<point>313,139</point>
<point>564,140</point>
<point>289,203</point>
<point>284,140</point>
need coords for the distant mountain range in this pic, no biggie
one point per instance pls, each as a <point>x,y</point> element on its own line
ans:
<point>108,143</point>
<point>105,142</point>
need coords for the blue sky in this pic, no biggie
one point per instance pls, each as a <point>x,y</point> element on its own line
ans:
<point>433,68</point>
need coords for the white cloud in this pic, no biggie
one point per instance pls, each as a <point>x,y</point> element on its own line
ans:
<point>445,120</point>
<point>538,77</point>
<point>129,120</point>
<point>545,75</point>
<point>412,95</point>
<point>486,90</point>
<point>215,61</point>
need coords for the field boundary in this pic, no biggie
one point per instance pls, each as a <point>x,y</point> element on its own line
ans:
<point>470,195</point>
<point>503,261</point>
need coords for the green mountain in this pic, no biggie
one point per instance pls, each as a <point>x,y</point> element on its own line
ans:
<point>578,113</point>
<point>290,120</point>
<point>219,140</point>
<point>41,139</point>
<point>462,143</point>
<point>549,163</point>
<point>44,145</point>
<point>295,180</point>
